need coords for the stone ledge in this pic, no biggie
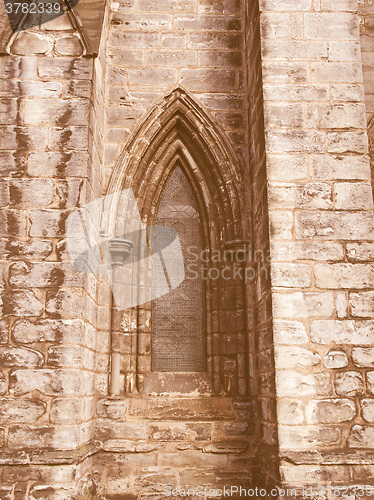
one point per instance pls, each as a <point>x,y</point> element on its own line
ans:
<point>50,457</point>
<point>339,457</point>
<point>168,408</point>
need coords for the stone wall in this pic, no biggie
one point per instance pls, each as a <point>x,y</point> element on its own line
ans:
<point>155,47</point>
<point>283,84</point>
<point>321,219</point>
<point>366,13</point>
<point>49,312</point>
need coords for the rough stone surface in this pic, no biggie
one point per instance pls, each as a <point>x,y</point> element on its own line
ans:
<point>268,108</point>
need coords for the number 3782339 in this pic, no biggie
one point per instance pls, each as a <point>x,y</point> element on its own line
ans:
<point>33,8</point>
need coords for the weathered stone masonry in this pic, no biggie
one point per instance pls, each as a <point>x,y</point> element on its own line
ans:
<point>265,106</point>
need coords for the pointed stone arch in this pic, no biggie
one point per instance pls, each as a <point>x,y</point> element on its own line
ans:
<point>178,132</point>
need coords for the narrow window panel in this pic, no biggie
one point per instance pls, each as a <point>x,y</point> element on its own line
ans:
<point>177,318</point>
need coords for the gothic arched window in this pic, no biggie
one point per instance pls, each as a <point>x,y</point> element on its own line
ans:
<point>184,175</point>
<point>177,318</point>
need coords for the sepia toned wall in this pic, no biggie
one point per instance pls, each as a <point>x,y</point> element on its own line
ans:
<point>286,84</point>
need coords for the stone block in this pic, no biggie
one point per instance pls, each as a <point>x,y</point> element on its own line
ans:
<point>331,26</point>
<point>360,252</point>
<point>20,410</point>
<point>32,249</point>
<point>203,409</point>
<point>106,429</point>
<point>284,115</point>
<point>347,92</point>
<point>306,250</point>
<point>362,304</point>
<point>29,44</point>
<point>361,437</point>
<point>11,356</point>
<point>173,41</point>
<point>57,164</point>
<point>295,93</point>
<point>295,141</point>
<point>136,40</point>
<point>209,22</point>
<point>291,384</point>
<point>342,332</point>
<point>24,437</point>
<point>338,276</point>
<point>338,5</point>
<point>219,6</point>
<point>64,303</point>
<point>50,382</point>
<point>69,46</point>
<point>312,195</point>
<point>363,356</point>
<point>119,56</point>
<point>123,116</point>
<point>215,41</point>
<point>367,409</point>
<point>353,196</point>
<point>65,68</point>
<point>340,167</point>
<point>209,80</point>
<point>290,357</point>
<point>172,58</point>
<point>6,492</point>
<point>31,192</point>
<point>316,474</point>
<point>20,303</point>
<point>276,25</point>
<point>330,411</point>
<point>224,59</point>
<point>289,410</point>
<point>47,330</point>
<point>370,382</point>
<point>23,138</point>
<point>335,359</point>
<point>67,410</point>
<point>347,142</point>
<point>152,76</point>
<point>43,274</point>
<point>305,437</point>
<point>302,304</point>
<point>72,137</point>
<point>3,384</point>
<point>336,72</point>
<point>281,225</point>
<point>289,332</point>
<point>56,112</point>
<point>167,5</point>
<point>53,491</point>
<point>136,21</point>
<point>8,111</point>
<point>345,51</point>
<point>285,72</point>
<point>334,226</point>
<point>294,49</point>
<point>4,331</point>
<point>288,5</point>
<point>48,223</point>
<point>66,356</point>
<point>349,384</point>
<point>341,116</point>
